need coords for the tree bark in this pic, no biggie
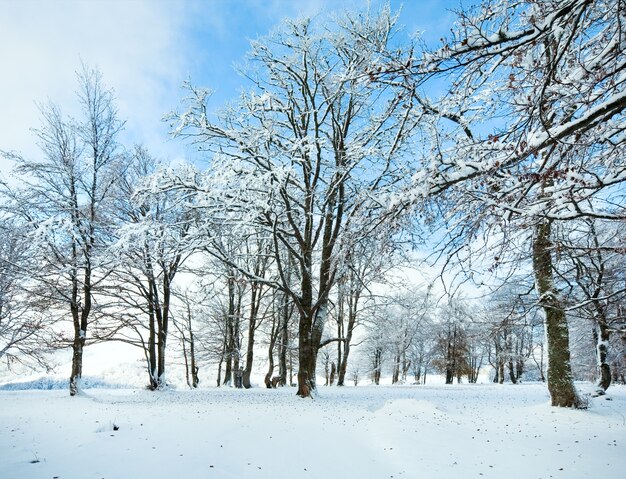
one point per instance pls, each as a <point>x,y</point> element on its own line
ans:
<point>77,364</point>
<point>560,379</point>
<point>602,349</point>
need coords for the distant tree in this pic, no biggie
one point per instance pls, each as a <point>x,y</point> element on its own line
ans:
<point>451,344</point>
<point>375,347</point>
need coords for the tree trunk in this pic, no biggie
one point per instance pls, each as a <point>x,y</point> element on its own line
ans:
<point>276,330</point>
<point>396,369</point>
<point>378,355</point>
<point>219,371</point>
<point>152,361</point>
<point>512,372</point>
<point>163,326</point>
<point>309,343</point>
<point>307,360</point>
<point>560,380</point>
<point>255,304</point>
<point>340,331</point>
<point>195,380</point>
<point>77,345</point>
<point>284,340</point>
<point>602,349</point>
<point>77,364</point>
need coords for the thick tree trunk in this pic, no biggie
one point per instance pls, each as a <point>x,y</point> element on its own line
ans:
<point>311,329</point>
<point>307,361</point>
<point>560,379</point>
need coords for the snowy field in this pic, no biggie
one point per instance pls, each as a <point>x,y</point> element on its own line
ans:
<point>467,431</point>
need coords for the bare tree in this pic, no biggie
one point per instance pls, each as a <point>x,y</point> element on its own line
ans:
<point>148,253</point>
<point>304,156</point>
<point>65,198</point>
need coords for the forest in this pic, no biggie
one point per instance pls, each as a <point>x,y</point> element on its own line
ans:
<point>302,243</point>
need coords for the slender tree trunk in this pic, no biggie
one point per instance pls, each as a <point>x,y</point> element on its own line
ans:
<point>195,379</point>
<point>284,340</point>
<point>340,333</point>
<point>353,302</point>
<point>77,345</point>
<point>219,371</point>
<point>255,304</point>
<point>602,350</point>
<point>396,369</point>
<point>230,332</point>
<point>560,380</point>
<point>378,356</point>
<point>183,343</point>
<point>275,331</point>
<point>163,326</point>
<point>152,355</point>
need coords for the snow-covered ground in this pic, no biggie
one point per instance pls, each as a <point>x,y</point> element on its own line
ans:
<point>469,431</point>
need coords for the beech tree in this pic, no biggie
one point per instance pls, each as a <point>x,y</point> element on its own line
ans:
<point>148,253</point>
<point>529,134</point>
<point>64,198</point>
<point>305,156</point>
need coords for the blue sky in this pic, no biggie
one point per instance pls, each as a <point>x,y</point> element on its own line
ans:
<point>145,49</point>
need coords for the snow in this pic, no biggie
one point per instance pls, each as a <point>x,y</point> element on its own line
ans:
<point>433,431</point>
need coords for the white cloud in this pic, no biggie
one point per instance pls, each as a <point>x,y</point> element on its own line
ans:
<point>135,45</point>
<point>144,49</point>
